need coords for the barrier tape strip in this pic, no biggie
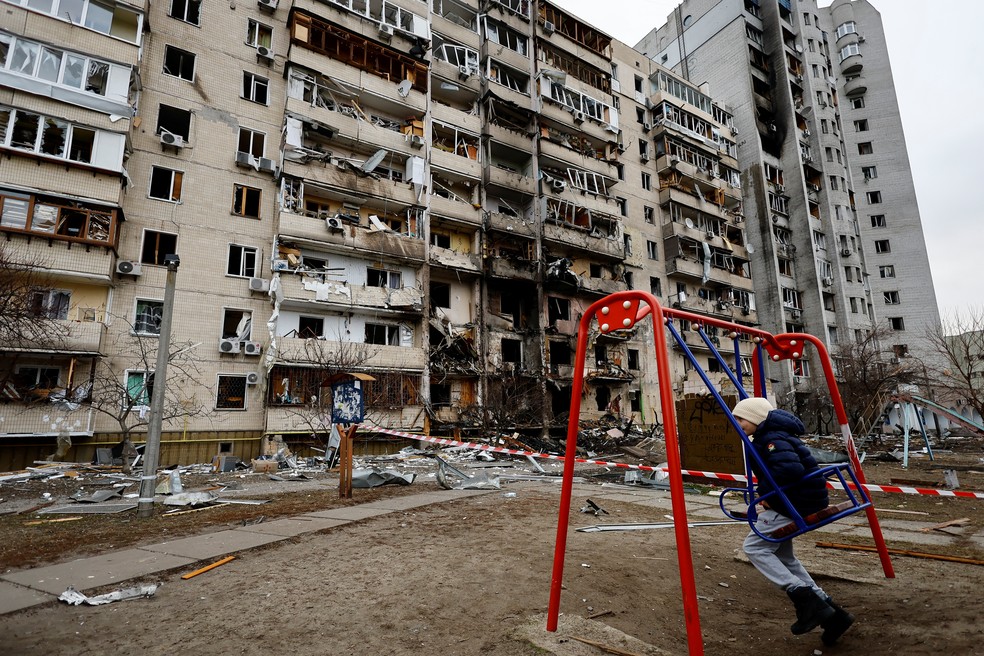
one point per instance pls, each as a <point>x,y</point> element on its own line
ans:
<point>734,478</point>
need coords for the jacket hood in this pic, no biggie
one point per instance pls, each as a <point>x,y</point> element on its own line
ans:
<point>783,421</point>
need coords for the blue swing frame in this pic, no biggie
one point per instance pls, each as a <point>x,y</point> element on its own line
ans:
<point>857,497</point>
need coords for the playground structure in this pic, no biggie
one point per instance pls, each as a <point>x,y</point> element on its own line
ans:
<point>622,311</point>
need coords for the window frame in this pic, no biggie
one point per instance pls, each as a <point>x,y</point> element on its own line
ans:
<point>168,48</point>
<point>218,390</point>
<point>184,17</point>
<point>157,249</point>
<point>243,250</point>
<point>146,388</point>
<point>241,204</point>
<point>252,82</point>
<point>177,182</point>
<point>138,323</point>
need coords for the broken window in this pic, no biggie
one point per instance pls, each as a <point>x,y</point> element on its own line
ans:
<point>354,49</point>
<point>51,304</point>
<point>246,201</point>
<point>883,246</point>
<point>383,278</point>
<point>242,261</point>
<point>54,136</point>
<point>165,184</point>
<point>174,120</point>
<point>258,34</point>
<point>874,197</point>
<point>231,392</point>
<point>47,215</point>
<point>560,355</point>
<point>157,245</point>
<point>887,271</point>
<point>37,378</point>
<point>139,387</point>
<point>179,63</point>
<point>25,130</point>
<point>878,221</point>
<point>255,88</point>
<point>147,317</point>
<point>791,298</point>
<point>384,334</point>
<point>504,35</point>
<point>603,396</point>
<point>188,11</point>
<point>440,239</point>
<point>892,298</point>
<point>82,145</point>
<point>310,327</point>
<point>652,250</point>
<point>558,309</point>
<point>251,142</point>
<point>512,351</point>
<point>440,294</point>
<point>655,286</point>
<point>237,324</point>
<point>510,77</point>
<point>649,213</point>
<point>440,394</point>
<point>865,148</point>
<point>896,323</point>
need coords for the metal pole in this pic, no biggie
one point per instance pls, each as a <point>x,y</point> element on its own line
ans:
<point>148,481</point>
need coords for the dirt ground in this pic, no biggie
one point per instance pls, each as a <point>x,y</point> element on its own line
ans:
<point>472,577</point>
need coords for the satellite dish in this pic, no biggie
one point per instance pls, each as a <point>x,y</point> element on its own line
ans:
<point>749,248</point>
<point>403,88</point>
<point>688,222</point>
<point>374,161</point>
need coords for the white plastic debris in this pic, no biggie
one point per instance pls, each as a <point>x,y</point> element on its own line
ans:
<point>75,598</point>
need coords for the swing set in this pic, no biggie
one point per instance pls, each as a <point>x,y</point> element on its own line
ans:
<point>622,311</point>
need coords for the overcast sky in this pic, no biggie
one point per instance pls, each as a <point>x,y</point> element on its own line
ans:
<point>937,55</point>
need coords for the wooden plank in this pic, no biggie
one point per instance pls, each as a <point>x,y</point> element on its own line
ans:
<point>51,521</point>
<point>963,521</point>
<point>207,568</point>
<point>900,552</point>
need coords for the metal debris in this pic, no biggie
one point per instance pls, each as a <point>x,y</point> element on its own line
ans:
<point>363,478</point>
<point>75,598</point>
<point>592,507</point>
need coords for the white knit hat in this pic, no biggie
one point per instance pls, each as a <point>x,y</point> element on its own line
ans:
<point>753,409</point>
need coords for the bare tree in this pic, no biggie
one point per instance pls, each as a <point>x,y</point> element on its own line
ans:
<point>308,398</point>
<point>30,312</point>
<point>958,340</point>
<point>122,384</point>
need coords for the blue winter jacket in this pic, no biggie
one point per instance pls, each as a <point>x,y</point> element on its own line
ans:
<point>788,460</point>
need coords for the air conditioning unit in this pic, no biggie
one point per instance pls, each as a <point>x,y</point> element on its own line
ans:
<point>334,223</point>
<point>620,146</point>
<point>548,27</point>
<point>252,378</point>
<point>171,139</point>
<point>796,314</point>
<point>128,268</point>
<point>710,235</point>
<point>845,252</point>
<point>464,72</point>
<point>827,281</point>
<point>280,265</point>
<point>264,53</point>
<point>644,157</point>
<point>267,5</point>
<point>578,116</point>
<point>647,126</point>
<point>259,285</point>
<point>229,345</point>
<point>268,165</point>
<point>806,133</point>
<point>416,141</point>
<point>558,185</point>
<point>385,32</point>
<point>245,159</point>
<point>252,348</point>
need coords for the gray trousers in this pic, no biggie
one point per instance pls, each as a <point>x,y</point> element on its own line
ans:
<point>775,560</point>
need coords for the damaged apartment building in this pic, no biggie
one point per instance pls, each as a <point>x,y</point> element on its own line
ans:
<point>427,194</point>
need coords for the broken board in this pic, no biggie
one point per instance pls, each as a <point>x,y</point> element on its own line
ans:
<point>708,441</point>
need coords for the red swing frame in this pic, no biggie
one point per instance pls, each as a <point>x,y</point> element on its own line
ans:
<point>623,310</point>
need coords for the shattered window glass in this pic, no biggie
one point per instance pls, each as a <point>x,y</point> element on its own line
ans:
<point>74,70</point>
<point>5,113</point>
<point>97,78</point>
<point>72,222</point>
<point>25,57</point>
<point>44,218</point>
<point>231,393</point>
<point>5,42</point>
<point>54,137</point>
<point>25,131</point>
<point>147,320</point>
<point>50,64</point>
<point>99,223</point>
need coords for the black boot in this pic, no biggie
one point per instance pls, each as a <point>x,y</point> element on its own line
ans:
<point>811,609</point>
<point>835,627</point>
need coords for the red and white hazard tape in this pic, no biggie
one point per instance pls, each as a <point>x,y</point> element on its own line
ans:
<point>734,478</point>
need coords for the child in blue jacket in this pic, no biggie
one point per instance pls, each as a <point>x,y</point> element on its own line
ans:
<point>775,437</point>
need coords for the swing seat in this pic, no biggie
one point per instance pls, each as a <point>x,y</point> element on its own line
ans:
<point>856,500</point>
